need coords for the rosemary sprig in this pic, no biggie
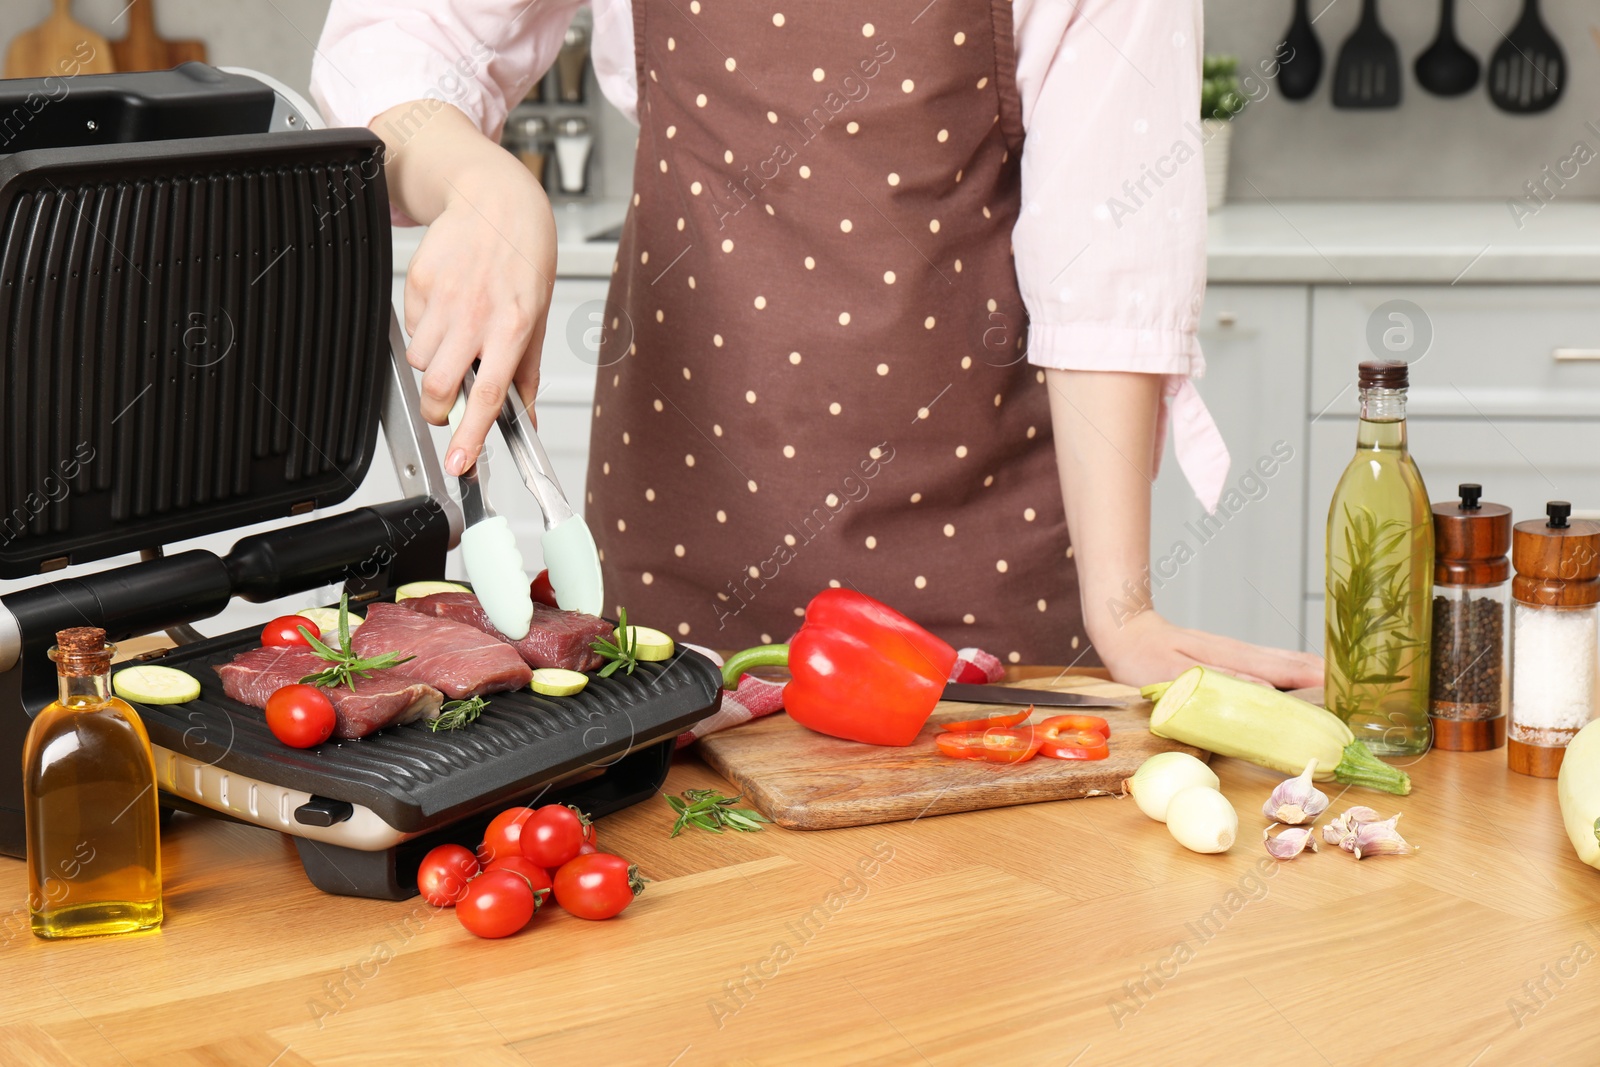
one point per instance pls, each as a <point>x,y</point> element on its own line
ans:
<point>346,665</point>
<point>455,714</point>
<point>710,810</point>
<point>623,652</point>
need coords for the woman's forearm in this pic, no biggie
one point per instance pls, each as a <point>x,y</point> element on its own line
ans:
<point>1105,430</point>
<point>436,155</point>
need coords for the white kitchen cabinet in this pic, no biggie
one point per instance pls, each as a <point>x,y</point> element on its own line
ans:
<point>1239,572</point>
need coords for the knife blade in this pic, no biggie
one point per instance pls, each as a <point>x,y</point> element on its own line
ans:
<point>1004,694</point>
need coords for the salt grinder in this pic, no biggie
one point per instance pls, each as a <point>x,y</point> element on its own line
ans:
<point>1555,637</point>
<point>1471,576</point>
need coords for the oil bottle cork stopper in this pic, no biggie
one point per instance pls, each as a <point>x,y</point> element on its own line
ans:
<point>81,640</point>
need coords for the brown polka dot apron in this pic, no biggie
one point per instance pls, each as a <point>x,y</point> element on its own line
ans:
<point>815,373</point>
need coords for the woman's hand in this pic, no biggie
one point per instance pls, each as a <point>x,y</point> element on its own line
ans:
<point>1147,648</point>
<point>479,285</point>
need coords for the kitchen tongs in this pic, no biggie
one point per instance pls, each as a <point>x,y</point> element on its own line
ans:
<point>569,548</point>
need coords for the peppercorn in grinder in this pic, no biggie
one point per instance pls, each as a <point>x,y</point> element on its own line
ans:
<point>1555,659</point>
<point>1467,691</point>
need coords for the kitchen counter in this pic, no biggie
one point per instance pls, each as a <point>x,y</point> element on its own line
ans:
<point>1285,241</point>
<point>1415,242</point>
<point>576,255</point>
<point>1067,933</point>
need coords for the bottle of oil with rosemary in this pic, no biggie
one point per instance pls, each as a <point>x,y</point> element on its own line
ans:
<point>1380,574</point>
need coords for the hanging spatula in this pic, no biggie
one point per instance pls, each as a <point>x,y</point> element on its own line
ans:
<point>1446,68</point>
<point>1368,72</point>
<point>1528,71</point>
<point>1300,65</point>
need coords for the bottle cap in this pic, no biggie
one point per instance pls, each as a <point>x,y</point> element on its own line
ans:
<point>81,651</point>
<point>1470,539</point>
<point>1384,374</point>
<point>1557,559</point>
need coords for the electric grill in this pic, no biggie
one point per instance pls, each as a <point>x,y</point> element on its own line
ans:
<point>196,336</point>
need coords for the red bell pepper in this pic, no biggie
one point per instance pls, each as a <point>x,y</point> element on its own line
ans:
<point>858,670</point>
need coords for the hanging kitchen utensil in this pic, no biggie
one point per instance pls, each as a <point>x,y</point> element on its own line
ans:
<point>1446,68</point>
<point>1300,56</point>
<point>1528,71</point>
<point>60,45</point>
<point>143,48</point>
<point>1368,72</point>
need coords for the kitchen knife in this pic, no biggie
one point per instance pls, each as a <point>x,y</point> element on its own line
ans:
<point>569,549</point>
<point>1004,694</point>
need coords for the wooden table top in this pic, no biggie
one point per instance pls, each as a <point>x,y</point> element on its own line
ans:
<point>1075,932</point>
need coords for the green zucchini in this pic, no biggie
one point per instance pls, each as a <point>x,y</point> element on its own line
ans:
<point>1222,714</point>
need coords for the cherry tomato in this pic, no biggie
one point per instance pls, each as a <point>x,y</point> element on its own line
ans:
<point>538,878</point>
<point>1002,721</point>
<point>597,886</point>
<point>995,745</point>
<point>496,904</point>
<point>542,591</point>
<point>444,874</point>
<point>284,632</point>
<point>1065,743</point>
<point>554,835</point>
<point>1077,722</point>
<point>504,835</point>
<point>301,716</point>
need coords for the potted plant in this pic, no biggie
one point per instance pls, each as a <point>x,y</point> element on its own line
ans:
<point>1220,101</point>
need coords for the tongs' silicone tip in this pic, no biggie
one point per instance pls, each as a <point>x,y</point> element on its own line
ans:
<point>574,564</point>
<point>499,576</point>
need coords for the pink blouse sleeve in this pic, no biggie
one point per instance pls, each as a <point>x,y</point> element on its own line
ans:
<point>481,56</point>
<point>1110,244</point>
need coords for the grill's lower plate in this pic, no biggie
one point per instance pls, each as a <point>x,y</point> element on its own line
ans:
<point>417,780</point>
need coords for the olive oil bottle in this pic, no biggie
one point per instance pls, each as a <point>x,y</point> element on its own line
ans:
<point>1379,578</point>
<point>94,854</point>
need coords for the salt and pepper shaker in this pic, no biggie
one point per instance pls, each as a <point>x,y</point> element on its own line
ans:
<point>572,62</point>
<point>1471,575</point>
<point>528,138</point>
<point>1555,637</point>
<point>573,145</point>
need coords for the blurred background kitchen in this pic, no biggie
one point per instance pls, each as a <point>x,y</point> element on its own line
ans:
<point>1445,230</point>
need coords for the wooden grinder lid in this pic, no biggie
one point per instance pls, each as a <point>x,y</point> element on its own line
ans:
<point>1471,539</point>
<point>1557,560</point>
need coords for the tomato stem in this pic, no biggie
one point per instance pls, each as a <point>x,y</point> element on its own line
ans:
<point>760,656</point>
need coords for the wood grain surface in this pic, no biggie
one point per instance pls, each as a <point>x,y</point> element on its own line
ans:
<point>1053,934</point>
<point>143,47</point>
<point>804,780</point>
<point>58,46</point>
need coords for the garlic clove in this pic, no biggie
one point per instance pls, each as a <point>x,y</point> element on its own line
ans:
<point>1380,839</point>
<point>1290,842</point>
<point>1296,800</point>
<point>1342,829</point>
<point>1360,814</point>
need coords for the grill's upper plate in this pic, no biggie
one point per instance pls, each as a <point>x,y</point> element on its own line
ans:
<point>415,779</point>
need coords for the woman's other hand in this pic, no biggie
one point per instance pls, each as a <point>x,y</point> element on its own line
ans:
<point>1147,648</point>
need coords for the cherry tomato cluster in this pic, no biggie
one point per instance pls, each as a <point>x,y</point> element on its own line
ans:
<point>1005,738</point>
<point>528,855</point>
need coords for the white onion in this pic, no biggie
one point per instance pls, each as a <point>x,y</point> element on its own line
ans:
<point>1161,776</point>
<point>1202,820</point>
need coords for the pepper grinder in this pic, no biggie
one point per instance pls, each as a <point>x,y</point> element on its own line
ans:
<point>1555,658</point>
<point>571,63</point>
<point>1470,578</point>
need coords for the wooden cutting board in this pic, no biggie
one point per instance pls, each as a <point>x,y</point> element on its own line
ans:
<point>806,781</point>
<point>145,49</point>
<point>58,45</point>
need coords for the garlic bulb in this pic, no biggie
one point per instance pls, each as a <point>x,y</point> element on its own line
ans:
<point>1296,801</point>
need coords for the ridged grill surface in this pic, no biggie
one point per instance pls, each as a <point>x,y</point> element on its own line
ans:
<point>189,341</point>
<point>415,778</point>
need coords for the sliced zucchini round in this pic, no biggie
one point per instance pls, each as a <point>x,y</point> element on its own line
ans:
<point>418,589</point>
<point>327,619</point>
<point>649,645</point>
<point>556,682</point>
<point>150,684</point>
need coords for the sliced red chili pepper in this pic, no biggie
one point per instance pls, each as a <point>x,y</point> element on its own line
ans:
<point>995,745</point>
<point>1077,722</point>
<point>1002,721</point>
<point>1057,743</point>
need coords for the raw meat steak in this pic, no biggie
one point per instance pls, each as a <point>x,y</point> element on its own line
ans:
<point>556,639</point>
<point>451,656</point>
<point>388,698</point>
